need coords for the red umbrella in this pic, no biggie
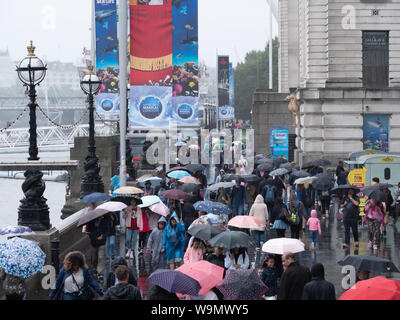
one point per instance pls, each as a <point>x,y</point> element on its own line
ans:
<point>378,288</point>
<point>137,159</point>
<point>189,180</point>
<point>174,194</point>
<point>207,274</point>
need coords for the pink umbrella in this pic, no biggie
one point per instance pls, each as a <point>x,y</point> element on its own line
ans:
<point>160,208</point>
<point>207,274</point>
<point>189,180</point>
<point>246,222</point>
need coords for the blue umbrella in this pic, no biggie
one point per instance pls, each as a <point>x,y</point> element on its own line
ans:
<point>15,231</point>
<point>178,174</point>
<point>212,207</point>
<point>20,257</point>
<point>175,281</point>
<point>95,197</point>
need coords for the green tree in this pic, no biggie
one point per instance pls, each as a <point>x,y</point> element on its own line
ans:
<point>253,74</point>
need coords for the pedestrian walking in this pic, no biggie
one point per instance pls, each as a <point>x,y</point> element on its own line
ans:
<point>396,211</point>
<point>112,279</point>
<point>297,214</point>
<point>223,197</point>
<point>194,252</point>
<point>155,242</point>
<point>130,215</point>
<point>217,257</point>
<point>173,241</point>
<point>111,221</point>
<point>123,290</point>
<point>239,197</point>
<point>314,227</point>
<point>14,287</point>
<point>220,177</point>
<point>144,229</point>
<point>148,190</point>
<point>294,278</point>
<point>318,288</point>
<point>351,213</point>
<point>374,216</point>
<point>237,259</point>
<point>269,276</point>
<point>250,196</point>
<point>74,281</point>
<point>98,231</point>
<point>260,211</point>
<point>389,208</point>
<point>280,217</point>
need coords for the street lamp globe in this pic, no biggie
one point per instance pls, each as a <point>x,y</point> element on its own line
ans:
<point>90,84</point>
<point>31,70</point>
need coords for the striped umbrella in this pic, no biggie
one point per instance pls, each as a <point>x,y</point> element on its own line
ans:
<point>175,281</point>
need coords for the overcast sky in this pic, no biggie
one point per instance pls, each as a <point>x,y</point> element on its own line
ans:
<point>60,29</point>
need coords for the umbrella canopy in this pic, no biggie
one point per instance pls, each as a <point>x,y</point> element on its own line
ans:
<point>189,180</point>
<point>259,161</point>
<point>231,177</point>
<point>194,147</point>
<point>301,174</point>
<point>127,199</point>
<point>246,222</point>
<point>13,231</point>
<point>211,219</point>
<point>282,245</point>
<point>339,189</point>
<point>380,186</point>
<point>95,197</point>
<point>288,166</point>
<point>321,163</point>
<point>128,190</point>
<point>147,201</point>
<point>175,281</point>
<point>278,172</point>
<point>207,274</point>
<point>369,263</point>
<point>267,166</point>
<point>189,187</point>
<point>178,174</point>
<point>160,208</point>
<point>204,231</point>
<point>305,180</point>
<point>177,168</point>
<point>278,161</point>
<point>242,284</point>
<point>249,178</point>
<point>224,185</point>
<point>112,206</point>
<point>90,216</point>
<point>20,257</point>
<point>231,239</point>
<point>174,194</point>
<point>193,168</point>
<point>378,288</point>
<point>377,195</point>
<point>212,207</point>
<point>180,144</point>
<point>323,183</point>
<point>148,177</point>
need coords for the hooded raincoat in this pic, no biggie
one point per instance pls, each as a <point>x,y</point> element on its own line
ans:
<point>173,239</point>
<point>259,210</point>
<point>154,243</point>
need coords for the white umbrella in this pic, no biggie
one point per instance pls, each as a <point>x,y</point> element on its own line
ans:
<point>112,206</point>
<point>306,180</point>
<point>160,208</point>
<point>148,201</point>
<point>282,245</point>
<point>194,147</point>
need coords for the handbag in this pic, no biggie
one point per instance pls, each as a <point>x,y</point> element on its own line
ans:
<point>84,294</point>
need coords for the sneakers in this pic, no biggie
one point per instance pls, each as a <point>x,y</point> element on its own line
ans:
<point>128,254</point>
<point>375,247</point>
<point>131,254</point>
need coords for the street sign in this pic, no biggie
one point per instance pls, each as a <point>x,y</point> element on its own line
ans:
<point>280,143</point>
<point>356,177</point>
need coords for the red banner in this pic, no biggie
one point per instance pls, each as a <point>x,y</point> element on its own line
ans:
<point>151,44</point>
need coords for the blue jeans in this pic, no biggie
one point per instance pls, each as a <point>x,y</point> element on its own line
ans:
<point>313,236</point>
<point>111,248</point>
<point>69,296</point>
<point>259,236</point>
<point>131,238</point>
<point>238,210</point>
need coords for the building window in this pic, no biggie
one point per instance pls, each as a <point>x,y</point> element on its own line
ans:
<point>387,173</point>
<point>375,59</point>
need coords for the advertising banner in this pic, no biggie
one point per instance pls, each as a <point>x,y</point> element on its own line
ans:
<point>150,106</point>
<point>107,56</point>
<point>223,81</point>
<point>226,113</point>
<point>185,110</point>
<point>376,132</point>
<point>231,86</point>
<point>280,143</point>
<point>356,177</point>
<point>151,45</point>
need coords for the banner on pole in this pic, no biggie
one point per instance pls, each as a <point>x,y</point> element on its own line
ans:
<point>223,81</point>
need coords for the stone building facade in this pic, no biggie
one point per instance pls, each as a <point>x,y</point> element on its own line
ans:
<point>343,58</point>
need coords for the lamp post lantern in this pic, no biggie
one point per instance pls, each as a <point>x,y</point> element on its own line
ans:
<point>91,181</point>
<point>33,211</point>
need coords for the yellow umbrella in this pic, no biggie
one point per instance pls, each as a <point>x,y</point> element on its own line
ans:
<point>128,190</point>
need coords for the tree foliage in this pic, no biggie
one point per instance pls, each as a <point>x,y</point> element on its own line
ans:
<point>253,74</point>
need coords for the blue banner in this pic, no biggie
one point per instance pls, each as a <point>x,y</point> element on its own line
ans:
<point>280,143</point>
<point>231,86</point>
<point>150,106</point>
<point>107,56</point>
<point>376,132</point>
<point>226,113</point>
<point>185,110</point>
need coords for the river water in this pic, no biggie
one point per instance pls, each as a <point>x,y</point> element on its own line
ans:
<point>11,192</point>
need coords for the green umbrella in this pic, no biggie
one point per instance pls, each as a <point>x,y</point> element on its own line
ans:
<point>231,239</point>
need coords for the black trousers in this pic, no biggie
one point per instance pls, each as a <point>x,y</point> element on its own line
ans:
<point>142,239</point>
<point>280,233</point>
<point>353,224</point>
<point>295,230</point>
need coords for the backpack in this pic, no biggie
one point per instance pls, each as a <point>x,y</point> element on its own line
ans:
<point>307,200</point>
<point>269,193</point>
<point>295,218</point>
<point>285,215</point>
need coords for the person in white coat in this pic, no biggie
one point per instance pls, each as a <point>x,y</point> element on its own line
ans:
<point>259,210</point>
<point>237,259</point>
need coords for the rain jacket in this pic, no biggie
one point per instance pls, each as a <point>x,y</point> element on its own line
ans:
<point>319,289</point>
<point>193,255</point>
<point>173,239</point>
<point>120,261</point>
<point>128,216</point>
<point>314,223</point>
<point>259,210</point>
<point>293,281</point>
<point>123,291</point>
<point>155,240</point>
<point>115,184</point>
<point>239,196</point>
<point>270,278</point>
<point>12,284</point>
<point>244,263</point>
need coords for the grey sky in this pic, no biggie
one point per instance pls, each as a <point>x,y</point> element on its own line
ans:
<point>60,29</point>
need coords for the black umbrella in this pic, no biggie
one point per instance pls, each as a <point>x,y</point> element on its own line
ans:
<point>301,174</point>
<point>379,186</point>
<point>369,263</point>
<point>377,195</point>
<point>189,187</point>
<point>231,239</point>
<point>278,161</point>
<point>231,177</point>
<point>323,183</point>
<point>267,166</point>
<point>321,163</point>
<point>127,199</point>
<point>263,160</point>
<point>193,168</point>
<point>288,166</point>
<point>249,178</point>
<point>204,231</point>
<point>340,189</point>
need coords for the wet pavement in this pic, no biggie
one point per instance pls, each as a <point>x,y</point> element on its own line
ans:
<point>328,252</point>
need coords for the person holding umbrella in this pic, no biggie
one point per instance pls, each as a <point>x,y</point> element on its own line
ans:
<point>98,231</point>
<point>223,197</point>
<point>148,190</point>
<point>217,257</point>
<point>374,216</point>
<point>351,212</point>
<point>397,205</point>
<point>130,216</point>
<point>279,218</point>
<point>173,241</point>
<point>237,259</point>
<point>260,211</point>
<point>220,177</point>
<point>239,197</point>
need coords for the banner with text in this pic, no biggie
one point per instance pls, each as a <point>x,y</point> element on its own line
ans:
<point>223,81</point>
<point>231,86</point>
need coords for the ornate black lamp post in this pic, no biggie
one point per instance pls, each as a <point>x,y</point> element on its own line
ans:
<point>91,181</point>
<point>33,211</point>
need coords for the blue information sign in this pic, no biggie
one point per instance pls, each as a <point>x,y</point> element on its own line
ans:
<point>280,143</point>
